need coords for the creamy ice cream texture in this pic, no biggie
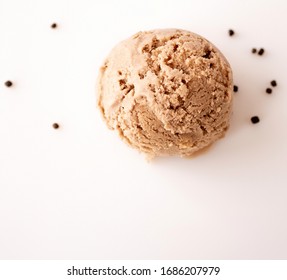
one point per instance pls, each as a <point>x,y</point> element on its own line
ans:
<point>167,92</point>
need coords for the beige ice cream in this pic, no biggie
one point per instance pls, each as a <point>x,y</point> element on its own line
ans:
<point>166,92</point>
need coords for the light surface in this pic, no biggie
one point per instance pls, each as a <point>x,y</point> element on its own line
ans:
<point>80,193</point>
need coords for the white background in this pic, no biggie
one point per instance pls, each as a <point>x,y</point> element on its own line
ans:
<point>80,193</point>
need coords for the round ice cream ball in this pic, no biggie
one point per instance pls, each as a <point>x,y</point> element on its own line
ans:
<point>167,92</point>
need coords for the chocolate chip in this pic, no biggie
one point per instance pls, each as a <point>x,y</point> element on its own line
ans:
<point>55,125</point>
<point>273,83</point>
<point>8,84</point>
<point>207,54</point>
<point>235,88</point>
<point>54,25</point>
<point>230,32</point>
<point>261,51</point>
<point>268,90</point>
<point>254,50</point>
<point>255,119</point>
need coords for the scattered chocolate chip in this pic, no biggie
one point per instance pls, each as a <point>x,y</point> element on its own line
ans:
<point>55,125</point>
<point>54,25</point>
<point>273,83</point>
<point>8,84</point>
<point>230,32</point>
<point>261,51</point>
<point>235,88</point>
<point>269,90</point>
<point>254,50</point>
<point>255,119</point>
<point>207,54</point>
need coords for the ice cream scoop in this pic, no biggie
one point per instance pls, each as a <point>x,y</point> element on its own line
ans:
<point>167,92</point>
